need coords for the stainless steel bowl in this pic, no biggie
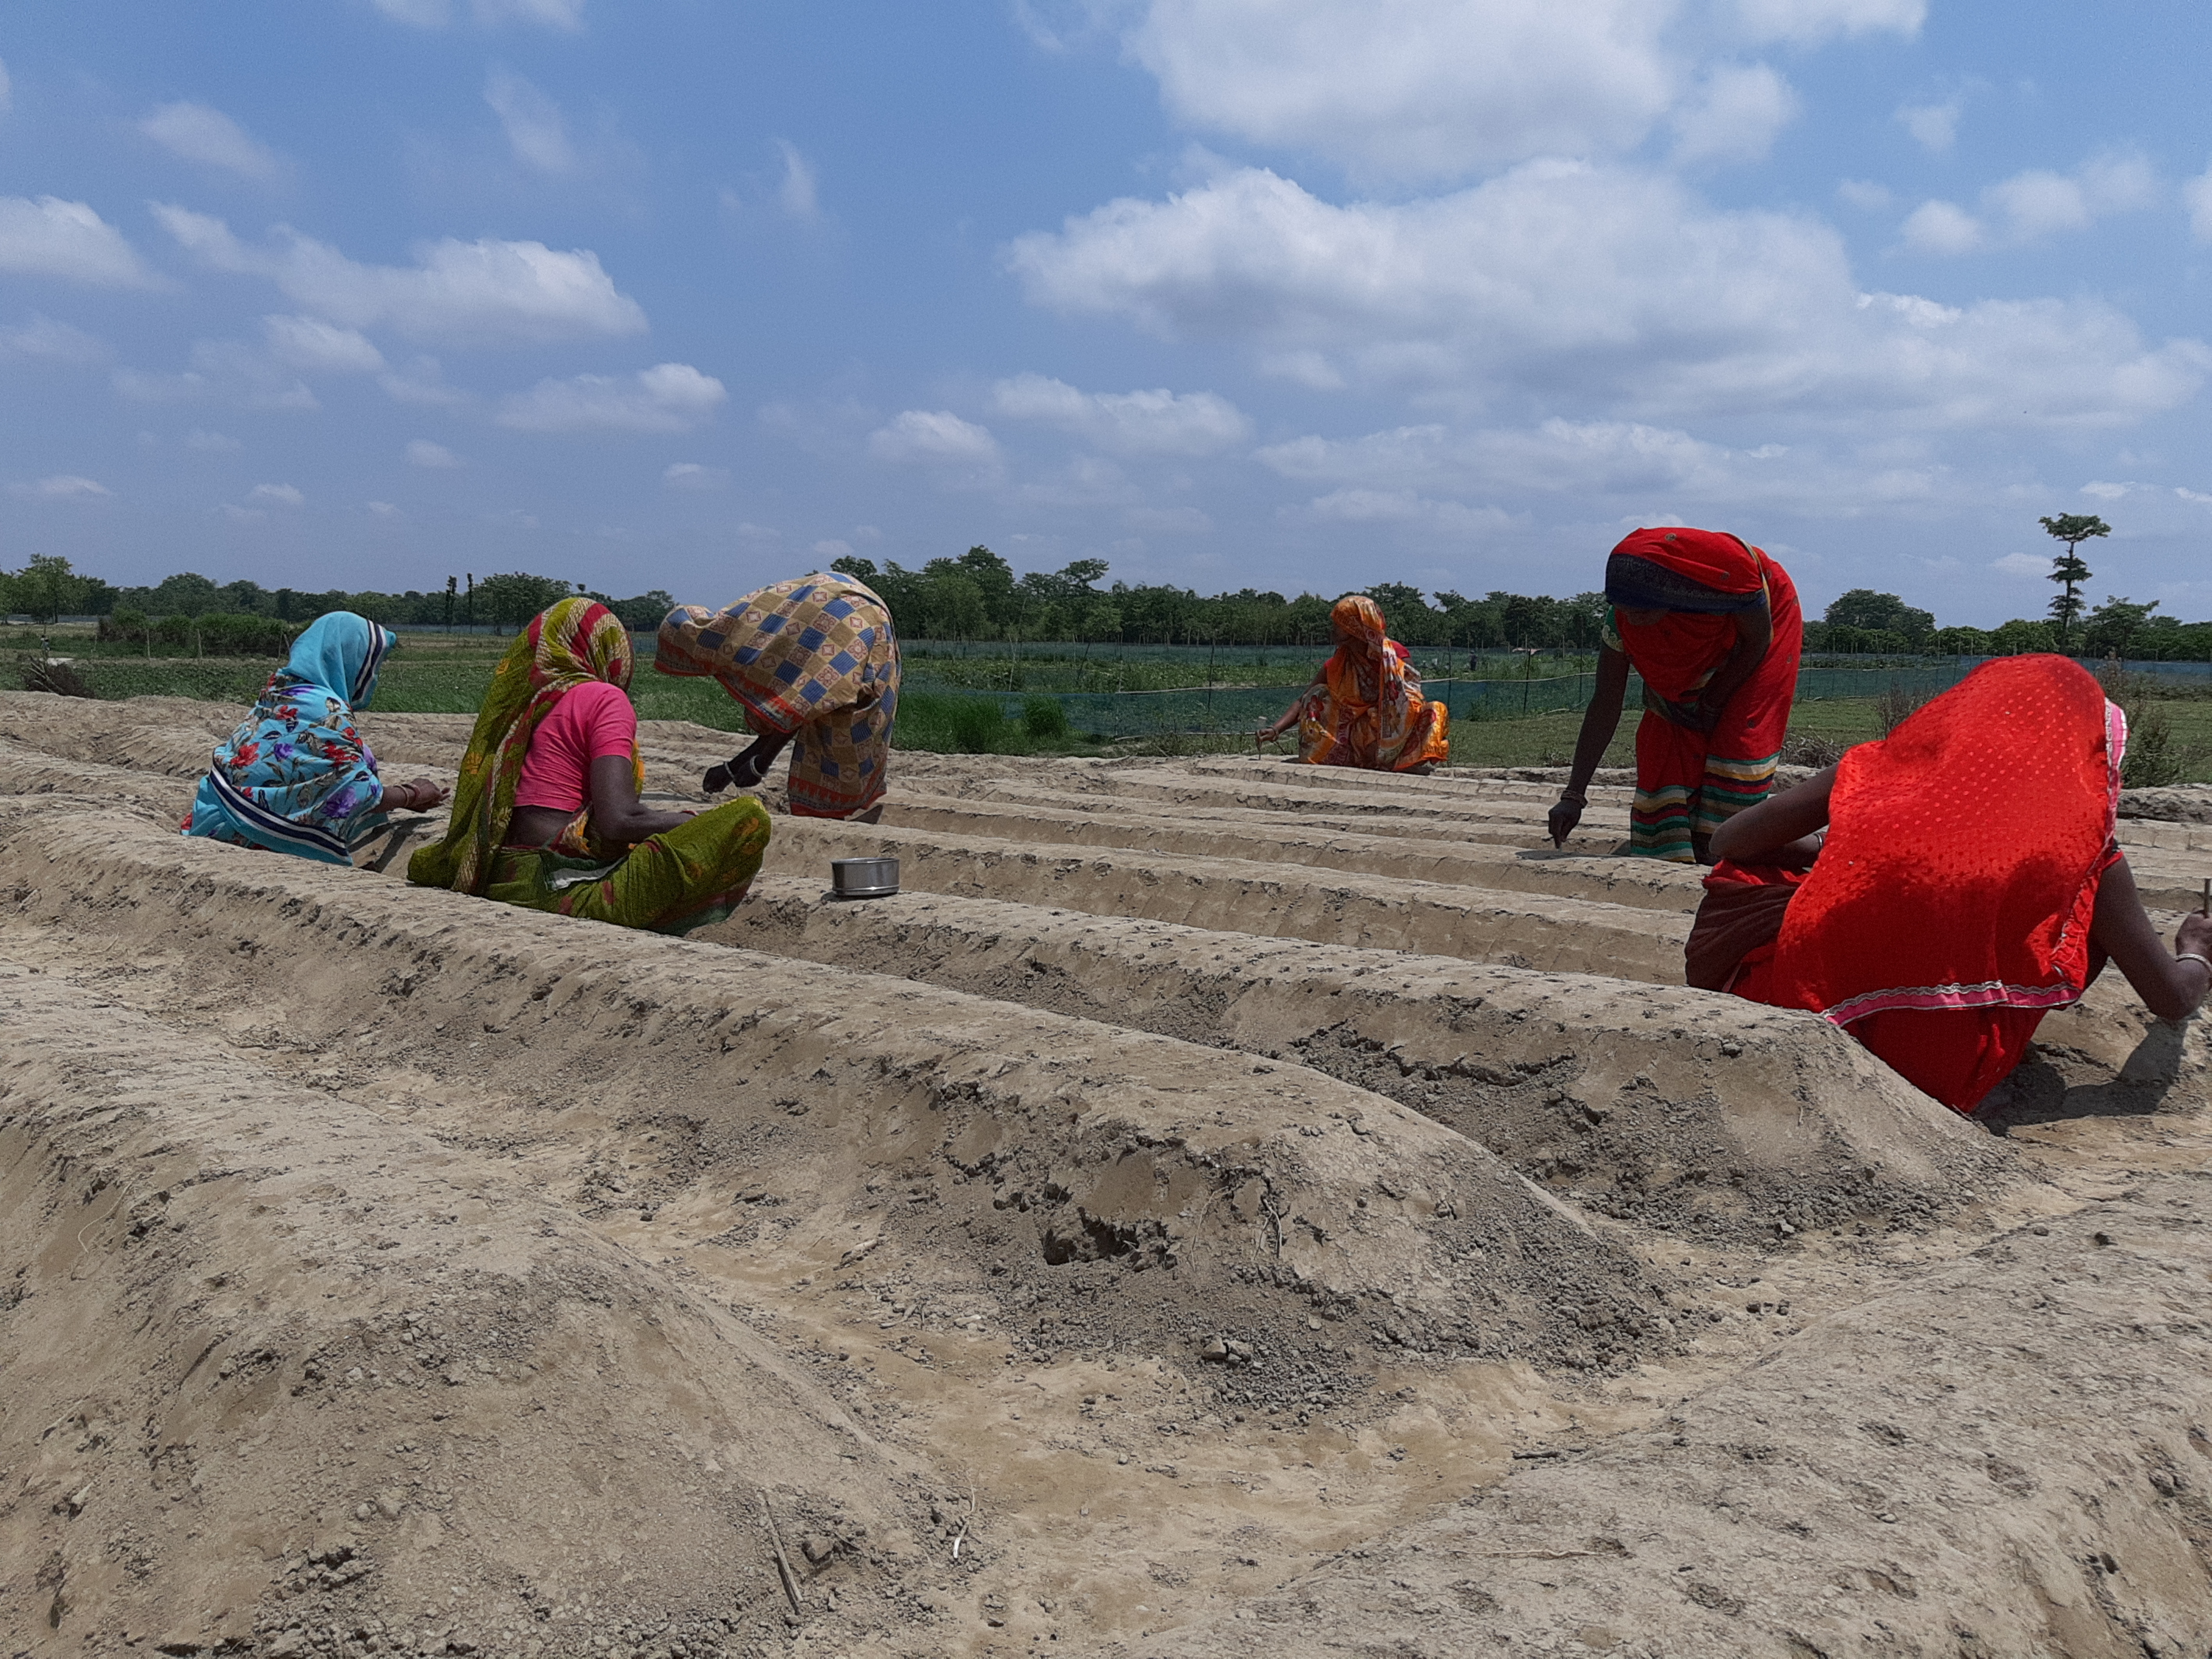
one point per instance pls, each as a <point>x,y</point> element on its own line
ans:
<point>855,878</point>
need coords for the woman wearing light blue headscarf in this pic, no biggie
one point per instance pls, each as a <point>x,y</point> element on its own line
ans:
<point>296,776</point>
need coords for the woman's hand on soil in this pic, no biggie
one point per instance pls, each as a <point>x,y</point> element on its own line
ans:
<point>1562,820</point>
<point>2195,933</point>
<point>419,795</point>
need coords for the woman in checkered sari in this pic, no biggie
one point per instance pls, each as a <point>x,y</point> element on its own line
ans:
<point>816,665</point>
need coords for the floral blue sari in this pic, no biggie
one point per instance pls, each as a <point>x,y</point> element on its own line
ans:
<point>296,777</point>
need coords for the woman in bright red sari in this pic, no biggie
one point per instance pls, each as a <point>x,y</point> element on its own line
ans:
<point>1712,626</point>
<point>1968,884</point>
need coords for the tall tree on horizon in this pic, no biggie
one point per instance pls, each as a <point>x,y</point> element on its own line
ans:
<point>2068,569</point>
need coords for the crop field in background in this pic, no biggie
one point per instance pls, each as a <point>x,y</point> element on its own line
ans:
<point>1073,700</point>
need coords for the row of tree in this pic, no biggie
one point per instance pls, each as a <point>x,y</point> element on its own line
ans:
<point>47,588</point>
<point>978,596</point>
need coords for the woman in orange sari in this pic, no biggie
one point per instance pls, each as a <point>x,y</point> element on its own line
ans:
<point>1363,707</point>
<point>1968,883</point>
<point>1713,625</point>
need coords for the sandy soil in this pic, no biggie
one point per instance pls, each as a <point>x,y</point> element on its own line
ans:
<point>1219,1206</point>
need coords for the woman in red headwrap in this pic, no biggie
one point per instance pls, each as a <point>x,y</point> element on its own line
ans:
<point>1967,884</point>
<point>1712,626</point>
<point>1364,707</point>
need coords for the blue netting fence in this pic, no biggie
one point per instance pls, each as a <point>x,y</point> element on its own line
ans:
<point>1223,710</point>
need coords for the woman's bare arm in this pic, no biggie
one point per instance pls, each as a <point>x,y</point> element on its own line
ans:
<point>1600,721</point>
<point>1759,832</point>
<point>2170,988</point>
<point>618,814</point>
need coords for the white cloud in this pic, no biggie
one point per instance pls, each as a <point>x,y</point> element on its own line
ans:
<point>386,510</point>
<point>2021,564</point>
<point>1735,116</point>
<point>1160,421</point>
<point>2038,204</point>
<point>211,443</point>
<point>566,17</point>
<point>1568,282</point>
<point>309,343</point>
<point>2104,491</point>
<point>1804,22</point>
<point>420,452</point>
<point>937,435</point>
<point>667,397</point>
<point>831,550</point>
<point>50,237</point>
<point>2196,195</point>
<point>1404,507</point>
<point>1934,127</point>
<point>1942,228</point>
<point>797,192</point>
<point>693,475</point>
<point>1415,89</point>
<point>57,343</point>
<point>422,382</point>
<point>198,133</point>
<point>1865,195</point>
<point>283,493</point>
<point>238,514</point>
<point>481,293</point>
<point>1168,520</point>
<point>7,91</point>
<point>63,487</point>
<point>535,128</point>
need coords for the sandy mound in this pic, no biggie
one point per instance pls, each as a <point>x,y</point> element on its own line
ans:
<point>1219,1205</point>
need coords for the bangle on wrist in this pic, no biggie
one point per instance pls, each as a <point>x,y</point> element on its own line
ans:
<point>2194,956</point>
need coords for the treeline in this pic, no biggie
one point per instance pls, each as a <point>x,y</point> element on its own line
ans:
<point>190,607</point>
<point>978,596</point>
<point>1863,620</point>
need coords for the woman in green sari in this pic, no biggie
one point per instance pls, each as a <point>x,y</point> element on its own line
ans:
<point>546,814</point>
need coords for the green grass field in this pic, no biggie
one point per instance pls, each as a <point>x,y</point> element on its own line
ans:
<point>436,674</point>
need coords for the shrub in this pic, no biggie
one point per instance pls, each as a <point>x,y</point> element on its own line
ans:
<point>1044,719</point>
<point>979,727</point>
<point>2154,759</point>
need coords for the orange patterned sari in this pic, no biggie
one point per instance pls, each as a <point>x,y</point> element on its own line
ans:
<point>1362,708</point>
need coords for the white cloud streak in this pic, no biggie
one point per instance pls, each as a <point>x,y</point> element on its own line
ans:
<point>480,293</point>
<point>2196,196</point>
<point>308,344</point>
<point>45,339</point>
<point>563,17</point>
<point>799,192</point>
<point>435,457</point>
<point>197,133</point>
<point>535,129</point>
<point>1808,22</point>
<point>64,487</point>
<point>933,436</point>
<point>1156,422</point>
<point>50,237</point>
<point>667,397</point>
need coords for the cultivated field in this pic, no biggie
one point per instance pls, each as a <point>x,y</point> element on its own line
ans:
<point>1220,1208</point>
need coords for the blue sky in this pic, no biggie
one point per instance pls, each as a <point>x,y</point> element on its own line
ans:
<point>1279,293</point>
